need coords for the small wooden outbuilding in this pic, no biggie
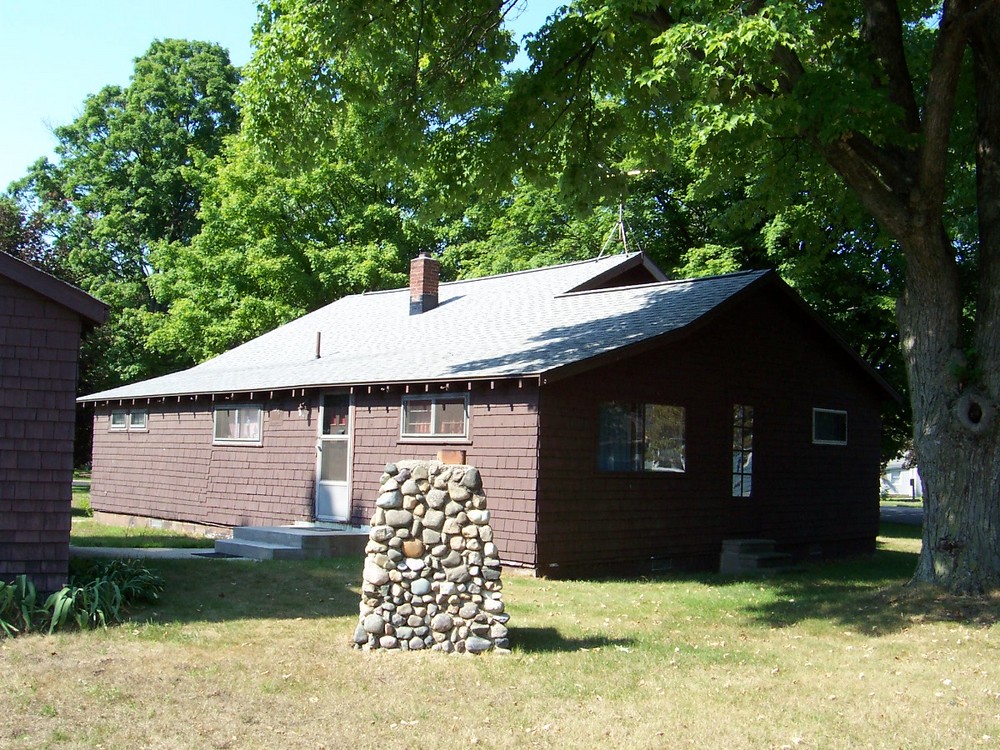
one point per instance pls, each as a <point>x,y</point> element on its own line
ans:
<point>41,322</point>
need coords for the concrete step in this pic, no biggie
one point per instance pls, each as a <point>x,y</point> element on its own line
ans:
<point>255,550</point>
<point>748,546</point>
<point>750,556</point>
<point>293,542</point>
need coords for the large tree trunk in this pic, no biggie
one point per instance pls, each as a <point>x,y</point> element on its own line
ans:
<point>952,361</point>
<point>955,426</point>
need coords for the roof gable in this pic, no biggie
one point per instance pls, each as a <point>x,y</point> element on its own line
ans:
<point>48,286</point>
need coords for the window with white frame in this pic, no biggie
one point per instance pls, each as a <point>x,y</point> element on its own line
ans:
<point>829,427</point>
<point>128,420</point>
<point>119,419</point>
<point>238,424</point>
<point>641,437</point>
<point>137,419</point>
<point>435,416</point>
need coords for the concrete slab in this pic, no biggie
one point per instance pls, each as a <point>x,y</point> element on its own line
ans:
<point>145,553</point>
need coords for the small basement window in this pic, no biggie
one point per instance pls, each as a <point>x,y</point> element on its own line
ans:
<point>829,427</point>
<point>435,416</point>
<point>641,437</point>
<point>238,424</point>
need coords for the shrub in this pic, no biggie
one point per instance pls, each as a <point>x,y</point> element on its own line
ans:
<point>19,608</point>
<point>97,594</point>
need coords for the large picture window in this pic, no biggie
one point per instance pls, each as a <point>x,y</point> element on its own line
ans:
<point>742,450</point>
<point>435,416</point>
<point>641,437</point>
<point>238,424</point>
<point>829,427</point>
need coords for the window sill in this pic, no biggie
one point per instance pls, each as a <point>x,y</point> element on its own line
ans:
<point>431,440</point>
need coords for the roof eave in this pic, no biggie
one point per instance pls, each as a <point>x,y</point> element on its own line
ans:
<point>89,308</point>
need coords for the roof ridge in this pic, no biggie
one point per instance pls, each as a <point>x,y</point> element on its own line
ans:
<point>521,272</point>
<point>668,282</point>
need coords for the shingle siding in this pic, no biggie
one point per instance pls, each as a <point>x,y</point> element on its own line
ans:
<point>172,471</point>
<point>503,444</point>
<point>39,344</point>
<point>807,497</point>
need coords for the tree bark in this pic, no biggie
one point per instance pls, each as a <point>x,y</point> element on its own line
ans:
<point>954,377</point>
<point>955,432</point>
<point>956,427</point>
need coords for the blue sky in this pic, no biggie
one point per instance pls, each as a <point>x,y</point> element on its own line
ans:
<point>54,53</point>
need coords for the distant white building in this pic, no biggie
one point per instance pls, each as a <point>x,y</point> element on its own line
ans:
<point>901,479</point>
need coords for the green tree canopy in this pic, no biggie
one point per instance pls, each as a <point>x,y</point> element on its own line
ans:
<point>799,114</point>
<point>126,180</point>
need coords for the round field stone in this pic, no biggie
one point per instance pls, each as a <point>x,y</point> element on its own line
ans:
<point>393,499</point>
<point>413,548</point>
<point>437,498</point>
<point>442,622</point>
<point>472,480</point>
<point>458,493</point>
<point>434,519</point>
<point>474,644</point>
<point>479,517</point>
<point>375,575</point>
<point>373,624</point>
<point>399,518</point>
<point>459,574</point>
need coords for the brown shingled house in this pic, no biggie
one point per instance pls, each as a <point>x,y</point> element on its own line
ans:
<point>620,420</point>
<point>41,322</point>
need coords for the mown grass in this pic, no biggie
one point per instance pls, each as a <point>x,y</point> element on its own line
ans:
<point>252,655</point>
<point>901,502</point>
<point>86,532</point>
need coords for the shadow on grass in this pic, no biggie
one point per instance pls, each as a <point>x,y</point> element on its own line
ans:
<point>869,595</point>
<point>141,541</point>
<point>866,595</point>
<point>550,640</point>
<point>220,590</point>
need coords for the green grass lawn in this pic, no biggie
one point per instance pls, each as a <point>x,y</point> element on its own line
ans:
<point>86,532</point>
<point>902,502</point>
<point>239,654</point>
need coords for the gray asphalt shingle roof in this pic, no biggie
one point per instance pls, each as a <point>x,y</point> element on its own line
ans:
<point>517,324</point>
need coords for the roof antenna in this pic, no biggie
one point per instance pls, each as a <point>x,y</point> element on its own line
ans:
<point>620,230</point>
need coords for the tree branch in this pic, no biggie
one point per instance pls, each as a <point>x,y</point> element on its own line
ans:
<point>939,110</point>
<point>882,30</point>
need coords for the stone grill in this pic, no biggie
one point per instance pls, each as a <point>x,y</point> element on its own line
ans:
<point>432,571</point>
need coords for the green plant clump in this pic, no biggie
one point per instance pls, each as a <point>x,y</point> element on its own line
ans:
<point>98,594</point>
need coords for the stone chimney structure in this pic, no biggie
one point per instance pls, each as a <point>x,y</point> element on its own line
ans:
<point>425,273</point>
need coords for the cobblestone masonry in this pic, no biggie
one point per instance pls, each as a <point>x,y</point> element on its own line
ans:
<point>432,572</point>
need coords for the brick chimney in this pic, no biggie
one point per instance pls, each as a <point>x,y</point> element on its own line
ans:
<point>424,275</point>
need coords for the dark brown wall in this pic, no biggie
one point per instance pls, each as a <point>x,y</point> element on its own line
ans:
<point>503,444</point>
<point>812,499</point>
<point>39,346</point>
<point>172,471</point>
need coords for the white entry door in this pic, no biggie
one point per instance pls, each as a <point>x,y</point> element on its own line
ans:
<point>333,465</point>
